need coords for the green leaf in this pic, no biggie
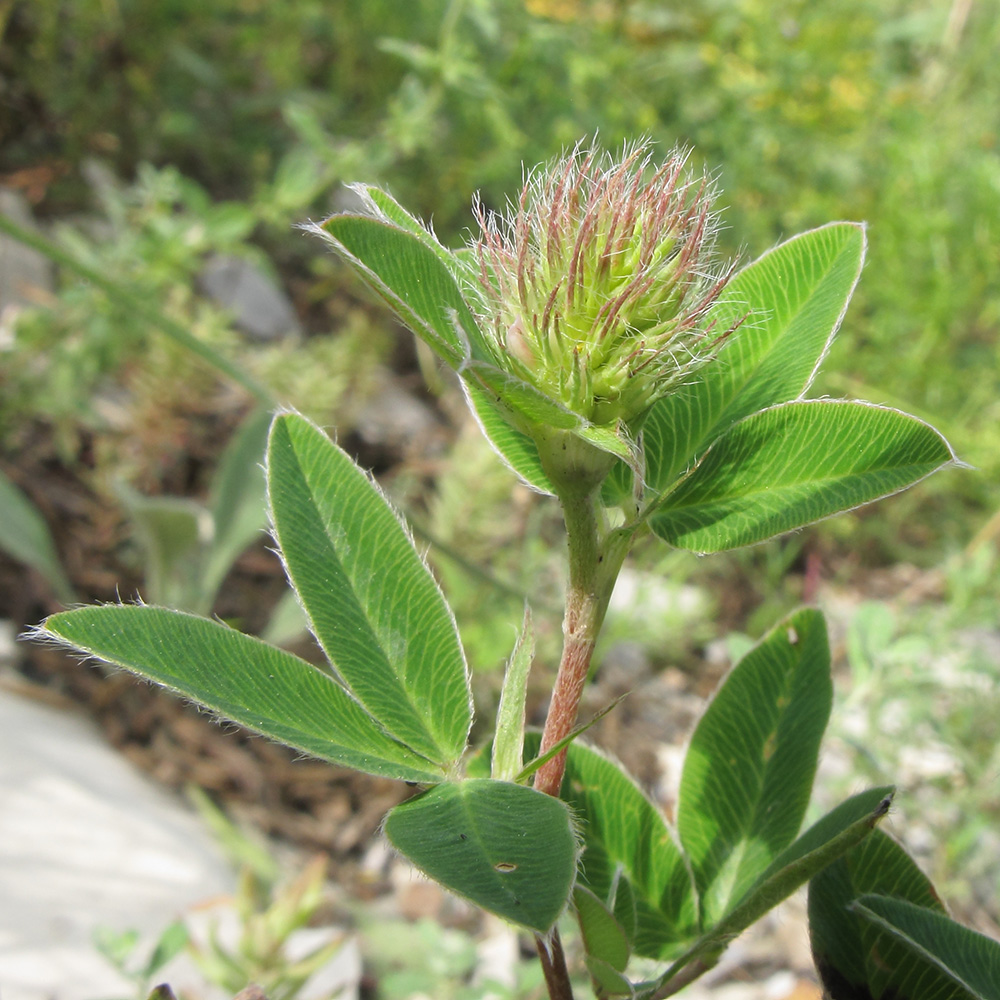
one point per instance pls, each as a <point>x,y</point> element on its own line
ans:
<point>190,548</point>
<point>603,936</point>
<point>517,450</point>
<point>849,951</point>
<point>505,847</point>
<point>749,769</point>
<point>508,743</point>
<point>618,490</point>
<point>824,842</point>
<point>371,601</point>
<point>615,441</point>
<point>461,263</point>
<point>413,281</point>
<point>791,301</point>
<point>794,464</point>
<point>626,839</point>
<point>25,536</point>
<point>243,679</point>
<point>608,981</point>
<point>382,204</point>
<point>622,902</point>
<point>970,961</point>
<point>237,501</point>
<point>116,946</point>
<point>168,946</point>
<point>173,533</point>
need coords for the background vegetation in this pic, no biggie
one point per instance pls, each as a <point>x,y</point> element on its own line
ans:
<point>223,124</point>
<point>148,137</point>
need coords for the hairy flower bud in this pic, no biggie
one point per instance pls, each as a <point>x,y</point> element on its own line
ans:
<point>595,288</point>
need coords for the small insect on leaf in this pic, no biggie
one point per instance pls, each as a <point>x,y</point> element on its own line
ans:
<point>505,866</point>
<point>793,636</point>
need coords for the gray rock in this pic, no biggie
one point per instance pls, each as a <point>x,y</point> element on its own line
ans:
<point>396,418</point>
<point>259,307</point>
<point>85,841</point>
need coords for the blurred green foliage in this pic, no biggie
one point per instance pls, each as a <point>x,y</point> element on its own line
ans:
<point>921,702</point>
<point>151,236</point>
<point>810,110</point>
<point>424,959</point>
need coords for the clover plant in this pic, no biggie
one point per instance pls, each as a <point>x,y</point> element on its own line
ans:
<point>615,364</point>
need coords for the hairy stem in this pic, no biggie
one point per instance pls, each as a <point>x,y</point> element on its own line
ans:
<point>594,562</point>
<point>595,557</point>
<point>581,623</point>
<point>685,977</point>
<point>554,969</point>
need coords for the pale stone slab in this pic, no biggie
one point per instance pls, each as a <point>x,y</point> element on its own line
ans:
<point>85,841</point>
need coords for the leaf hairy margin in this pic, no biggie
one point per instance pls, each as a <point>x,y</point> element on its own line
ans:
<point>242,678</point>
<point>371,601</point>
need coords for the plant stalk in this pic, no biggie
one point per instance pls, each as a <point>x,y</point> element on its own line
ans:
<point>595,558</point>
<point>553,960</point>
<point>685,977</point>
<point>581,623</point>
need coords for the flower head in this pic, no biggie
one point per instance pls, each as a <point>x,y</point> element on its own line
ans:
<point>595,288</point>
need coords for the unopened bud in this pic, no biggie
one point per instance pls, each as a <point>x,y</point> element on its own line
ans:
<point>595,288</point>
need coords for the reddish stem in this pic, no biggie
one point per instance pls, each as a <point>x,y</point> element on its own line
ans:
<point>581,623</point>
<point>594,560</point>
<point>554,966</point>
<point>578,648</point>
